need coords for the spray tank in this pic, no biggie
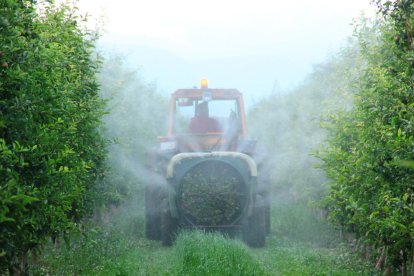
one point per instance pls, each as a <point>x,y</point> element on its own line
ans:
<point>210,167</point>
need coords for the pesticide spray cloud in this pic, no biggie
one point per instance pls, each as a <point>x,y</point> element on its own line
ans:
<point>289,126</point>
<point>136,116</point>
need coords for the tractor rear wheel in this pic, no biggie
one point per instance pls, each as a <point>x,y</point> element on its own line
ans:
<point>152,212</point>
<point>268,219</point>
<point>254,230</point>
<point>169,225</point>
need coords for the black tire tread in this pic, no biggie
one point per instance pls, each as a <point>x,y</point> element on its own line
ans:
<point>254,231</point>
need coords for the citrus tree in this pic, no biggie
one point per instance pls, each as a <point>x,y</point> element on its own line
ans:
<point>51,150</point>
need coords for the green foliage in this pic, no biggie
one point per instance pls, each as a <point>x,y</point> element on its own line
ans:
<point>296,222</point>
<point>51,150</point>
<point>201,253</point>
<point>101,253</point>
<point>293,258</point>
<point>303,244</point>
<point>307,249</point>
<point>369,148</point>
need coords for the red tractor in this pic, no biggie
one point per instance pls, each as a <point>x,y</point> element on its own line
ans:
<point>209,174</point>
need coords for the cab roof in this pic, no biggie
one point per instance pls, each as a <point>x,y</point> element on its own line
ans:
<point>215,93</point>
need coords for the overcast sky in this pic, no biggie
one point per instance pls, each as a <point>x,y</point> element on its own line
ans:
<point>260,47</point>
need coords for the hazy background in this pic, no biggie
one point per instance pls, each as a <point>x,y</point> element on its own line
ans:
<point>260,47</point>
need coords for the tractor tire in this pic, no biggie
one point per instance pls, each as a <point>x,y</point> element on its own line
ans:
<point>265,193</point>
<point>254,230</point>
<point>268,211</point>
<point>152,212</point>
<point>268,220</point>
<point>169,225</point>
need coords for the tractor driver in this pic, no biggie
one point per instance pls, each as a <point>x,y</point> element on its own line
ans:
<point>202,123</point>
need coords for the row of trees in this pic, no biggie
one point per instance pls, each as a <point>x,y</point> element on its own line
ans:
<point>74,128</point>
<point>369,152</point>
<point>361,102</point>
<point>51,150</point>
<point>137,114</point>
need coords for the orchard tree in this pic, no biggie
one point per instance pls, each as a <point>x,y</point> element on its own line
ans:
<point>51,149</point>
<point>370,149</point>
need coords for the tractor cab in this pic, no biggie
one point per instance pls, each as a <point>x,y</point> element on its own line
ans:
<point>205,119</point>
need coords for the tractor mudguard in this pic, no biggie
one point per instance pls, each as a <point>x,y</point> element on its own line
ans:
<point>225,155</point>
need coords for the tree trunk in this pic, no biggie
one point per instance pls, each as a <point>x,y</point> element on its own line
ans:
<point>20,268</point>
<point>380,262</point>
<point>404,263</point>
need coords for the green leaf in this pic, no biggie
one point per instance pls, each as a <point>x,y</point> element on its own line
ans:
<point>405,197</point>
